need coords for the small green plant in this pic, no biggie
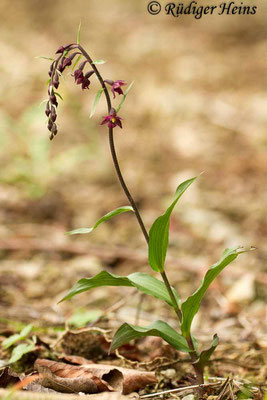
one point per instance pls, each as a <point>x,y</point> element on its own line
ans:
<point>20,349</point>
<point>158,236</point>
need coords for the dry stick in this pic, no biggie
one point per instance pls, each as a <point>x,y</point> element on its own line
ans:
<point>180,389</point>
<point>193,354</point>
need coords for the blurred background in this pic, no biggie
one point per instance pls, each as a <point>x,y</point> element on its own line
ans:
<point>198,104</point>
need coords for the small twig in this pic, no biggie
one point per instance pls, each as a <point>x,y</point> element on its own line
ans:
<point>224,388</point>
<point>181,389</point>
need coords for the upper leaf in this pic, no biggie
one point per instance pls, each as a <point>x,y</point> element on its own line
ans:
<point>106,217</point>
<point>98,62</point>
<point>191,306</point>
<point>127,332</point>
<point>143,282</point>
<point>159,232</point>
<point>97,98</point>
<point>79,33</point>
<point>124,96</point>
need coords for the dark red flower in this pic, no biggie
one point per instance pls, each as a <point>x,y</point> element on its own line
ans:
<point>116,86</point>
<point>112,119</point>
<point>85,83</point>
<point>77,75</point>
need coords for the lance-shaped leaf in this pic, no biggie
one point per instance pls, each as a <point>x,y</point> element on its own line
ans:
<point>143,282</point>
<point>99,62</point>
<point>106,217</point>
<point>191,306</point>
<point>159,232</point>
<point>127,332</point>
<point>96,101</point>
<point>124,96</point>
<point>206,354</point>
<point>79,33</point>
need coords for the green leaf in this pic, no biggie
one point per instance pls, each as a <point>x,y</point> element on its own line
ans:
<point>127,332</point>
<point>124,96</point>
<point>20,350</point>
<point>99,62</point>
<point>45,58</point>
<point>152,286</point>
<point>245,392</point>
<point>206,354</point>
<point>143,282</point>
<point>97,98</point>
<point>65,52</point>
<point>191,306</point>
<point>76,62</point>
<point>59,95</point>
<point>79,33</point>
<point>159,232</point>
<point>18,336</point>
<point>106,217</point>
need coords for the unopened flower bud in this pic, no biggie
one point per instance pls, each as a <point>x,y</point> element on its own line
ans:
<point>54,129</point>
<point>88,74</point>
<point>56,80</point>
<point>51,68</point>
<point>50,124</point>
<point>53,99</point>
<point>81,66</point>
<point>110,82</point>
<point>61,49</point>
<point>53,114</point>
<point>47,109</point>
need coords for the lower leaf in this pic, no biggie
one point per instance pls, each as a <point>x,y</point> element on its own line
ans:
<point>206,354</point>
<point>128,332</point>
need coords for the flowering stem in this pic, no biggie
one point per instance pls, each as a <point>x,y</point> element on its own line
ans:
<point>112,148</point>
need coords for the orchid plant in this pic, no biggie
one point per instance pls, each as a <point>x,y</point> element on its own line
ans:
<point>158,236</point>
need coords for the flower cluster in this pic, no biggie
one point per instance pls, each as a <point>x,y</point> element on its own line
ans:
<point>82,79</point>
<point>58,66</point>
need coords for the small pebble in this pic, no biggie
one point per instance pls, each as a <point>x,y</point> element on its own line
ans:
<point>189,397</point>
<point>169,373</point>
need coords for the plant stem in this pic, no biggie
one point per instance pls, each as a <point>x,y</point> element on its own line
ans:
<point>173,299</point>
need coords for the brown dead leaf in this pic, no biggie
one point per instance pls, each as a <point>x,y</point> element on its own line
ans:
<point>74,379</point>
<point>8,377</point>
<point>132,379</point>
<point>92,378</point>
<point>21,395</point>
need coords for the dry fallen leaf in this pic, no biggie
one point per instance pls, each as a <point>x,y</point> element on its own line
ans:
<point>91,378</point>
<point>132,379</point>
<point>73,379</point>
<point>21,395</point>
<point>8,377</point>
